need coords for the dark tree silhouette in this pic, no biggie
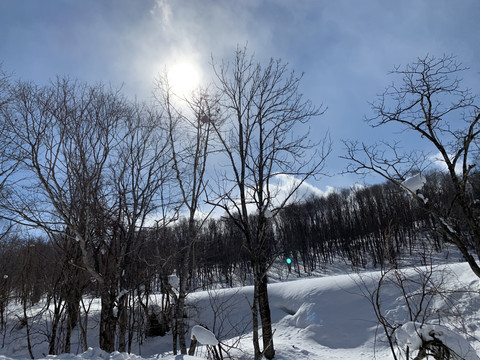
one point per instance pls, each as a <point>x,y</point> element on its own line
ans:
<point>428,102</point>
<point>262,106</point>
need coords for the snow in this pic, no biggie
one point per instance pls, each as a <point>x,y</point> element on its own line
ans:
<point>414,183</point>
<point>325,317</point>
<point>174,281</point>
<point>98,354</point>
<point>268,213</point>
<point>444,222</point>
<point>203,336</point>
<point>423,198</point>
<point>411,334</point>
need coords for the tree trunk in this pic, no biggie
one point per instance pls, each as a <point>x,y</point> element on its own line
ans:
<point>108,323</point>
<point>53,332</point>
<point>254,308</point>
<point>179,316</point>
<point>73,313</point>
<point>265,316</point>
<point>193,346</point>
<point>27,326</point>
<point>182,287</point>
<point>122,323</point>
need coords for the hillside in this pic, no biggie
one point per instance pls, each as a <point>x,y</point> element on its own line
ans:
<point>327,317</point>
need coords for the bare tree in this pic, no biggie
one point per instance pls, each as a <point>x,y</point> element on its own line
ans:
<point>190,124</point>
<point>8,163</point>
<point>263,108</point>
<point>91,165</point>
<point>141,169</point>
<point>63,135</point>
<point>429,298</point>
<point>429,103</point>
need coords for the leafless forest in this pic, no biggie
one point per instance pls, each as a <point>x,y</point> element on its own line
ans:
<point>103,197</point>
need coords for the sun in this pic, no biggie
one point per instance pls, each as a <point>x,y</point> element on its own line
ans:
<point>183,77</point>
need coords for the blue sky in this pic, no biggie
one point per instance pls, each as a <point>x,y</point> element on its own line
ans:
<point>345,48</point>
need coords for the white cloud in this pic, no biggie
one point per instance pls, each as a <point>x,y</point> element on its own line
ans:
<point>281,187</point>
<point>284,185</point>
<point>438,161</point>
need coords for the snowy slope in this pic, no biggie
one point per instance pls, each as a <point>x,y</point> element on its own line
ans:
<point>315,318</point>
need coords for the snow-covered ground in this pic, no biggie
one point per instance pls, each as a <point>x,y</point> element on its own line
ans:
<point>328,317</point>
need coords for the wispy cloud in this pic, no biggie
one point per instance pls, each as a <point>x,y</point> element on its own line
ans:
<point>162,10</point>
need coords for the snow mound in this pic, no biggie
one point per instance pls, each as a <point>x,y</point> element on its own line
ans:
<point>412,335</point>
<point>306,316</point>
<point>326,311</point>
<point>203,336</point>
<point>414,183</point>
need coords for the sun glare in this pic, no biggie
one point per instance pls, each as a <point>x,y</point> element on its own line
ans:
<point>183,78</point>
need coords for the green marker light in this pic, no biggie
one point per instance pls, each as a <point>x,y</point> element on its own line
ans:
<point>289,261</point>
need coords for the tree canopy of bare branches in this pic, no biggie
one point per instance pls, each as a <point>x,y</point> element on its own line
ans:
<point>429,103</point>
<point>261,107</point>
<point>90,169</point>
<point>190,129</point>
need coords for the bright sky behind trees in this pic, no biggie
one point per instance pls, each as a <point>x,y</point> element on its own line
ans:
<point>345,48</point>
